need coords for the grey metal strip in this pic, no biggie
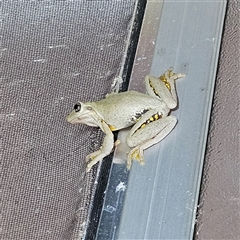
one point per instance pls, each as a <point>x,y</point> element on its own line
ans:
<point>161,197</point>
<point>118,180</point>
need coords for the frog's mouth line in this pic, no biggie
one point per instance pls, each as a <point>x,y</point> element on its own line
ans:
<point>87,119</point>
<point>73,118</point>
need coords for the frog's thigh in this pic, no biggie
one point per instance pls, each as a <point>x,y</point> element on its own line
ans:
<point>152,132</point>
<point>165,127</point>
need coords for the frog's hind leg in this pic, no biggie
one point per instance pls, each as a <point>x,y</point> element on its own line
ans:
<point>164,126</point>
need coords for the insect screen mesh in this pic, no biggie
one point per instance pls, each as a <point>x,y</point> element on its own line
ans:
<point>54,53</point>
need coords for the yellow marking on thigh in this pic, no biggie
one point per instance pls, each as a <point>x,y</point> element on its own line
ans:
<point>164,80</point>
<point>153,118</point>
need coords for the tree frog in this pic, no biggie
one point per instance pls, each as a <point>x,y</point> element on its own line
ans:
<point>147,114</point>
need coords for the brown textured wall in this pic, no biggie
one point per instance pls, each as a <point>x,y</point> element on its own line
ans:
<point>219,205</point>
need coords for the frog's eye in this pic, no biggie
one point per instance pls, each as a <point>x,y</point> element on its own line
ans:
<point>77,107</point>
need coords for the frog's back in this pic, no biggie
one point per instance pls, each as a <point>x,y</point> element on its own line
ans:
<point>129,97</point>
<point>121,110</point>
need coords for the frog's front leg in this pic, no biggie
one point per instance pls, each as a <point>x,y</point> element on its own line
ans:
<point>105,149</point>
<point>149,130</point>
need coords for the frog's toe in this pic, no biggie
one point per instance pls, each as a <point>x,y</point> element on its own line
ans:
<point>93,155</point>
<point>89,157</point>
<point>88,168</point>
<point>135,154</point>
<point>130,158</point>
<point>90,165</point>
<point>142,161</point>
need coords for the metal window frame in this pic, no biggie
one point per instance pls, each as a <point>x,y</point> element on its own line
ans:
<point>159,200</point>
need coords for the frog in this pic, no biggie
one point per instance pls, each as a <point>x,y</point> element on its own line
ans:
<point>147,115</point>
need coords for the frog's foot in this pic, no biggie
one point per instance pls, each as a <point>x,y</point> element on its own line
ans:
<point>93,155</point>
<point>97,156</point>
<point>136,154</point>
<point>94,158</point>
<point>170,74</point>
<point>117,143</point>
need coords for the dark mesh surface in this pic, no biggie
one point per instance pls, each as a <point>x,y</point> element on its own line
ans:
<point>54,53</point>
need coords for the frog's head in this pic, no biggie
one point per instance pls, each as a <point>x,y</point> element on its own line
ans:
<point>82,113</point>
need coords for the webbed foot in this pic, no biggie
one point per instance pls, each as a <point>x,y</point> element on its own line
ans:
<point>135,154</point>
